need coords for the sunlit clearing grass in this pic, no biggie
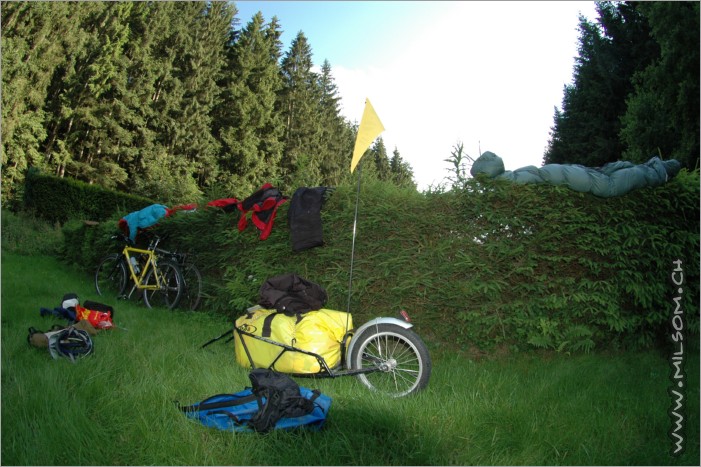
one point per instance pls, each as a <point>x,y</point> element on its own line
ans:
<point>118,406</point>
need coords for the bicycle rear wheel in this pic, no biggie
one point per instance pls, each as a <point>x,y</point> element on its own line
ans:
<point>111,276</point>
<point>171,285</point>
<point>192,287</point>
<point>399,355</point>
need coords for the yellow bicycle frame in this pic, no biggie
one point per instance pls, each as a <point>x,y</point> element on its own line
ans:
<point>150,263</point>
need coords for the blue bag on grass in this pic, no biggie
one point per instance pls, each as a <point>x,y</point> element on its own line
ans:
<point>274,402</point>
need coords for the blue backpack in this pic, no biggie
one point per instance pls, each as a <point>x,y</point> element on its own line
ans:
<point>275,401</point>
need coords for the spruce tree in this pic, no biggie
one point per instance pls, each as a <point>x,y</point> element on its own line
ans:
<point>402,173</point>
<point>248,126</point>
<point>299,105</point>
<point>148,69</point>
<point>196,51</point>
<point>586,130</point>
<point>662,116</point>
<point>381,160</point>
<point>26,71</point>
<point>36,39</point>
<point>84,136</point>
<point>335,138</point>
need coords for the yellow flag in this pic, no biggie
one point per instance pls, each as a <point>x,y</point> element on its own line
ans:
<point>369,129</point>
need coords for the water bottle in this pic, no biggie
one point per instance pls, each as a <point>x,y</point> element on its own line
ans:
<point>134,264</point>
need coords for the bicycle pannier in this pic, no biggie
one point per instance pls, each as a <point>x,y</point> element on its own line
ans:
<point>98,319</point>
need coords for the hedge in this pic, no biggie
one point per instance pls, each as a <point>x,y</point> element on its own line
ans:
<point>496,264</point>
<point>58,199</point>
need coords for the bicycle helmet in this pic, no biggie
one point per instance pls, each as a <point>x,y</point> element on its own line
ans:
<point>69,343</point>
<point>70,300</point>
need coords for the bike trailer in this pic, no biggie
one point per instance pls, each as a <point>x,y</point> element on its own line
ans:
<point>266,338</point>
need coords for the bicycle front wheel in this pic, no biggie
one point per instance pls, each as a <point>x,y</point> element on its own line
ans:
<point>111,276</point>
<point>170,279</point>
<point>398,355</point>
<point>192,287</point>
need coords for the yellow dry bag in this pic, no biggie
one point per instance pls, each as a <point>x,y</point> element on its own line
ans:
<point>321,332</point>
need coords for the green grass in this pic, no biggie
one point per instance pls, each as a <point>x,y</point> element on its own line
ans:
<point>24,233</point>
<point>116,406</point>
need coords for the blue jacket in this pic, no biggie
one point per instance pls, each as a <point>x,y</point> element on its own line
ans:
<point>144,218</point>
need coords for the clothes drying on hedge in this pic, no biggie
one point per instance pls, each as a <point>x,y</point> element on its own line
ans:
<point>142,219</point>
<point>148,217</point>
<point>613,179</point>
<point>227,204</point>
<point>304,218</point>
<point>263,206</point>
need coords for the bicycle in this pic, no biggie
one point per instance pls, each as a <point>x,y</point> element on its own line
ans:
<point>192,279</point>
<point>150,270</point>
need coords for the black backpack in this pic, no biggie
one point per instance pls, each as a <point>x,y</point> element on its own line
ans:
<point>291,294</point>
<point>304,218</point>
<point>278,397</point>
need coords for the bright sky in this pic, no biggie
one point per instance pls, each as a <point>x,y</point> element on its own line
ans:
<point>487,74</point>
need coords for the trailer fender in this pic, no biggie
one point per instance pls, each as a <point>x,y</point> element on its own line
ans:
<point>373,322</point>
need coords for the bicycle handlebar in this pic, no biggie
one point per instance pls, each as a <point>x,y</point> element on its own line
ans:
<point>122,238</point>
<point>153,243</point>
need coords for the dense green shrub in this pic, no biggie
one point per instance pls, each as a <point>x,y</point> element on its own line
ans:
<point>58,199</point>
<point>496,263</point>
<point>560,269</point>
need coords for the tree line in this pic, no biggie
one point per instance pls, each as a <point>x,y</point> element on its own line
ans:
<point>171,100</point>
<point>635,89</point>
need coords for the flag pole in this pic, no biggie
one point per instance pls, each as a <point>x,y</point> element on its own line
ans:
<point>355,224</point>
<point>370,128</point>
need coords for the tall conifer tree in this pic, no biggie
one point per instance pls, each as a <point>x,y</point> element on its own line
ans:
<point>32,49</point>
<point>198,65</point>
<point>300,108</point>
<point>402,173</point>
<point>84,99</point>
<point>335,137</point>
<point>587,129</point>
<point>249,128</point>
<point>381,160</point>
<point>662,116</point>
